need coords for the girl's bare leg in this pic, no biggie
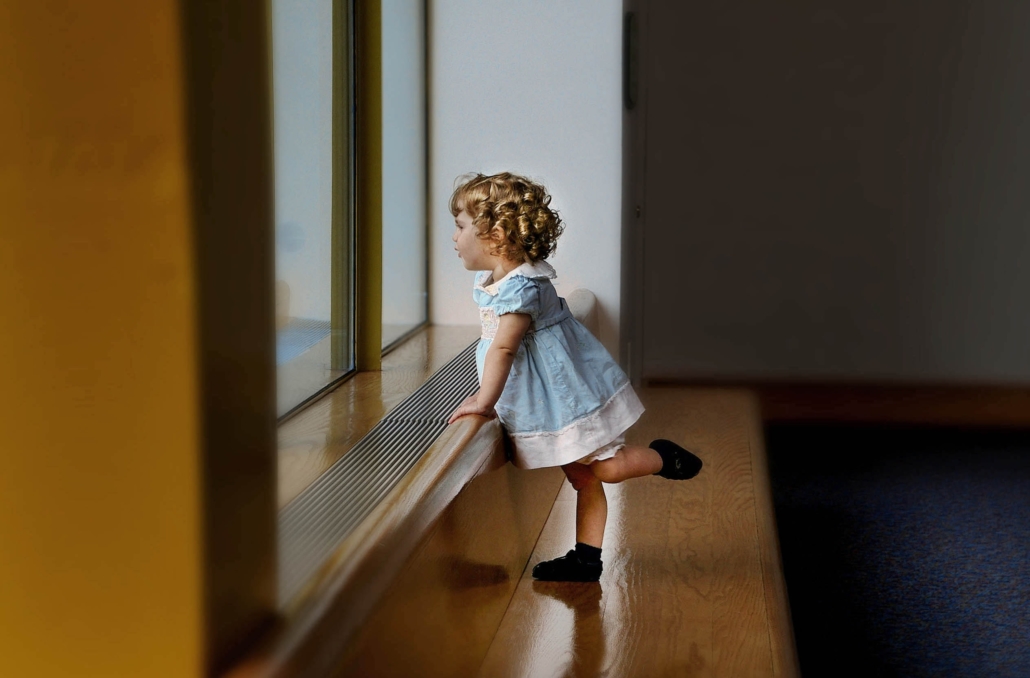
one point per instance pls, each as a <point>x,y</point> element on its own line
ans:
<point>583,563</point>
<point>632,461</point>
<point>591,505</point>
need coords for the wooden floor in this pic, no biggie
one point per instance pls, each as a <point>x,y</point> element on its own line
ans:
<point>684,590</point>
<point>692,584</point>
<point>982,405</point>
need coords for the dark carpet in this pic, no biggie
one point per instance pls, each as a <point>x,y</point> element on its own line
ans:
<point>906,550</point>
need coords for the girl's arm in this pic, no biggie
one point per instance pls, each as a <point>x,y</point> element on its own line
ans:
<point>511,328</point>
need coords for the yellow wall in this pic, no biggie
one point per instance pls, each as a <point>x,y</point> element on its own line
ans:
<point>99,481</point>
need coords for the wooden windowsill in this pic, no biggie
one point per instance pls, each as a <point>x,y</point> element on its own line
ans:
<point>317,437</point>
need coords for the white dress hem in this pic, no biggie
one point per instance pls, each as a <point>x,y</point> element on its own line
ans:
<point>583,437</point>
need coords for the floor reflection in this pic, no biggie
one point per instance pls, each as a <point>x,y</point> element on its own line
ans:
<point>459,573</point>
<point>587,642</point>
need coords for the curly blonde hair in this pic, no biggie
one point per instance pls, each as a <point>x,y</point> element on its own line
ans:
<point>516,205</point>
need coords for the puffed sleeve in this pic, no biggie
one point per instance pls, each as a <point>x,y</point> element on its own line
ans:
<point>518,295</point>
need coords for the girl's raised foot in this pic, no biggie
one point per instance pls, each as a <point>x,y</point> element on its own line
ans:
<point>567,568</point>
<point>677,463</point>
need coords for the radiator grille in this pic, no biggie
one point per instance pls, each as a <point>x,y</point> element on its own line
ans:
<point>314,524</point>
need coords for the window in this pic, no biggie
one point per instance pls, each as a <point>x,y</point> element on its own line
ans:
<point>404,168</point>
<point>312,131</point>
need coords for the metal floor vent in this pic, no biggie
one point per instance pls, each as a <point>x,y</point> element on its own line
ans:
<point>313,524</point>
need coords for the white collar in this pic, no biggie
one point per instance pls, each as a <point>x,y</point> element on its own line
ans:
<point>540,269</point>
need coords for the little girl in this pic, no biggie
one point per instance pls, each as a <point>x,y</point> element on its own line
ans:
<point>558,393</point>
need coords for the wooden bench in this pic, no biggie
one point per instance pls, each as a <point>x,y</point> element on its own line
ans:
<point>692,582</point>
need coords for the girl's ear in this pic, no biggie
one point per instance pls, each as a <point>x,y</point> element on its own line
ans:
<point>497,234</point>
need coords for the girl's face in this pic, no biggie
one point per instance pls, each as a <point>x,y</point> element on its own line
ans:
<point>473,251</point>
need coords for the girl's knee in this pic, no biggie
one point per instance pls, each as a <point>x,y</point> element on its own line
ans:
<point>580,476</point>
<point>607,471</point>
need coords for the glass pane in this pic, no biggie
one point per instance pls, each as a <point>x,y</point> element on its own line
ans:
<point>404,168</point>
<point>312,248</point>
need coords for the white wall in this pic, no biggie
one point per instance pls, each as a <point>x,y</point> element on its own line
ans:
<point>532,87</point>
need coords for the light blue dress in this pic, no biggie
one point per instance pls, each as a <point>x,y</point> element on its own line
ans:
<point>565,399</point>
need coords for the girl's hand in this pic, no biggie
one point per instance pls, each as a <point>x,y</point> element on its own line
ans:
<point>471,406</point>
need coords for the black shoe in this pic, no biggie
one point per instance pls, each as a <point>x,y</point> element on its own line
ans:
<point>567,568</point>
<point>677,463</point>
